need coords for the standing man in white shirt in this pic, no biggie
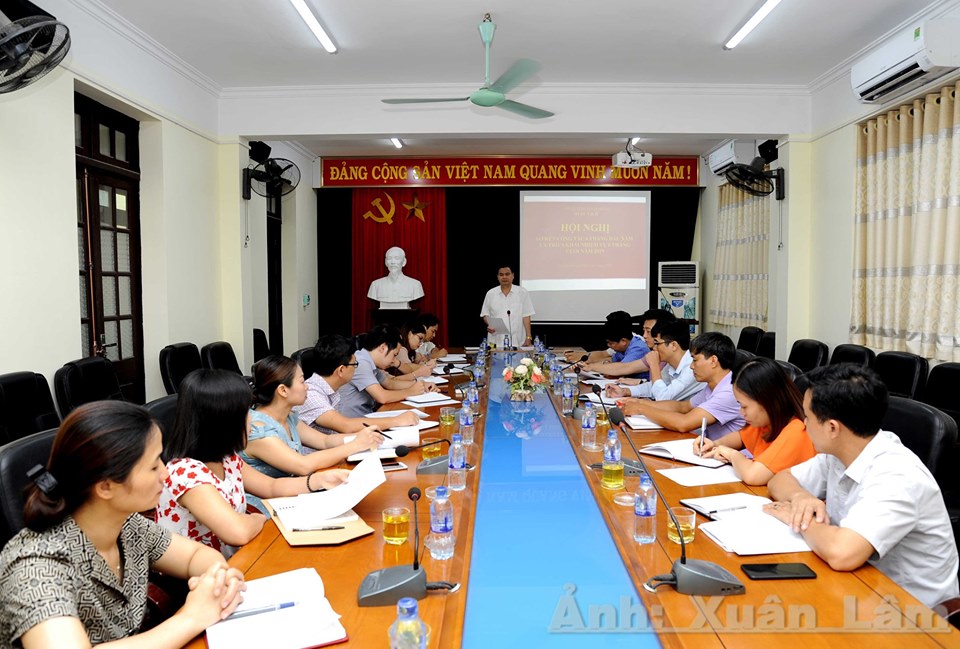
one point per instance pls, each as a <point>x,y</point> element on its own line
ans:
<point>512,305</point>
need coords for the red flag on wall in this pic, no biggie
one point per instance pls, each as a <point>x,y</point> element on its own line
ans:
<point>414,219</point>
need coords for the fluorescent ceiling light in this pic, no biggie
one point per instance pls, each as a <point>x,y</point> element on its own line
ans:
<point>634,141</point>
<point>749,26</point>
<point>314,25</point>
<point>396,142</point>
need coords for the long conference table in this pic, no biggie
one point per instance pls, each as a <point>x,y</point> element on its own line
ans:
<point>545,559</point>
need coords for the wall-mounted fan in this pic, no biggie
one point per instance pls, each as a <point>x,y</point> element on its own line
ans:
<point>754,180</point>
<point>272,177</point>
<point>493,94</point>
<point>32,43</point>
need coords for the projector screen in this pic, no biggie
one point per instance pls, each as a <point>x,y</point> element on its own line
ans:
<point>585,254</point>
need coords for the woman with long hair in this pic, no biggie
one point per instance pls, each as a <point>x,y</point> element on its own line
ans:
<point>278,443</point>
<point>409,366</point>
<point>204,494</point>
<point>77,574</point>
<point>775,434</point>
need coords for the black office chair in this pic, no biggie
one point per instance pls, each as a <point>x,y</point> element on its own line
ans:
<point>856,354</point>
<point>164,410</point>
<point>742,357</point>
<point>808,354</point>
<point>903,373</point>
<point>926,431</point>
<point>768,345</point>
<point>16,458</point>
<point>85,380</point>
<point>219,356</point>
<point>261,348</point>
<point>307,357</point>
<point>176,361</point>
<point>750,339</point>
<point>790,369</point>
<point>941,390</point>
<point>26,406</point>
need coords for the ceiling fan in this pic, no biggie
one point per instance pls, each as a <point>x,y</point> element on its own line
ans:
<point>493,94</point>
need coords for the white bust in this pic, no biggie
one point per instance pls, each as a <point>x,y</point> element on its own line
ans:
<point>396,290</point>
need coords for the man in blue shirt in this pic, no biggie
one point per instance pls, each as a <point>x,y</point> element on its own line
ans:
<point>626,347</point>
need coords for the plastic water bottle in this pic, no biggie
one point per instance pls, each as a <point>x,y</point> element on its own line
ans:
<point>466,422</point>
<point>506,341</point>
<point>536,345</point>
<point>612,462</point>
<point>457,469</point>
<point>473,394</point>
<point>566,401</point>
<point>408,631</point>
<point>440,541</point>
<point>588,428</point>
<point>645,510</point>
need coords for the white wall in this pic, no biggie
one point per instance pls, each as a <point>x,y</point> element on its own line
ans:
<point>40,318</point>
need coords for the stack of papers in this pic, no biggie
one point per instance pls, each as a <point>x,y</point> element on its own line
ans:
<point>307,619</point>
<point>596,398</point>
<point>751,531</point>
<point>700,476</point>
<point>313,509</point>
<point>680,450</point>
<point>436,380</point>
<point>452,358</point>
<point>639,422</point>
<point>430,399</point>
<point>393,413</point>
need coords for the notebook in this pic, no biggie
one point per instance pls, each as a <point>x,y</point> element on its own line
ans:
<point>639,422</point>
<point>309,622</point>
<point>751,531</point>
<point>718,507</point>
<point>680,450</point>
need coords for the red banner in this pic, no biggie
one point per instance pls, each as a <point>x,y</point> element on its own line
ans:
<point>676,171</point>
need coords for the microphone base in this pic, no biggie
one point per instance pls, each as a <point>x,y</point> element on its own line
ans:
<point>696,577</point>
<point>434,466</point>
<point>384,587</point>
<point>630,467</point>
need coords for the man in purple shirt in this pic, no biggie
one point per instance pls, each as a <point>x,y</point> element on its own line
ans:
<point>713,357</point>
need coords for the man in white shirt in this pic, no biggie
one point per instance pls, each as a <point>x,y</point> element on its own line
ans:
<point>512,305</point>
<point>675,381</point>
<point>866,497</point>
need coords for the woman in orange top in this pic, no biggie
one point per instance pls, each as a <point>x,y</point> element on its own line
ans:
<point>775,434</point>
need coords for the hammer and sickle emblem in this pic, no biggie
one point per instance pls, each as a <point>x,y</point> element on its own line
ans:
<point>386,216</point>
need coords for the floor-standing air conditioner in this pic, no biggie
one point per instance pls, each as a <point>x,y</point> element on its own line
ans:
<point>679,287</point>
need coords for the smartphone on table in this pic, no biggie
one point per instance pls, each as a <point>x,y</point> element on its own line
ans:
<point>778,571</point>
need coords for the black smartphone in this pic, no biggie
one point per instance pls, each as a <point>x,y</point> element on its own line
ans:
<point>778,571</point>
<point>393,466</point>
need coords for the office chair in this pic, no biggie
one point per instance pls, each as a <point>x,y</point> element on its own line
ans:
<point>26,406</point>
<point>176,361</point>
<point>903,373</point>
<point>85,380</point>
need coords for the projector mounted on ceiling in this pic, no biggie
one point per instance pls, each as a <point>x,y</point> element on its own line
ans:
<point>631,158</point>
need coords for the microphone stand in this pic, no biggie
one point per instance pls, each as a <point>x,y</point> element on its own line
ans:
<point>688,577</point>
<point>630,467</point>
<point>511,346</point>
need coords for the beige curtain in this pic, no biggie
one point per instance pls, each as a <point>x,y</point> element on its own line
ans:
<point>907,235</point>
<point>740,270</point>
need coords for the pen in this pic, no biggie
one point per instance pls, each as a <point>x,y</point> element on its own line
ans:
<point>318,529</point>
<point>729,509</point>
<point>381,432</point>
<point>703,429</point>
<point>260,609</point>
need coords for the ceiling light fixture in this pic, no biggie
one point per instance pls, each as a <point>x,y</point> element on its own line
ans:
<point>636,140</point>
<point>751,23</point>
<point>307,15</point>
<point>396,142</point>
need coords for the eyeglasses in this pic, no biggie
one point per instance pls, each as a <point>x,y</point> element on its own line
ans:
<point>354,364</point>
<point>657,343</point>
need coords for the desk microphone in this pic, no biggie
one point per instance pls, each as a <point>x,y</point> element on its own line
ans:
<point>579,360</point>
<point>385,586</point>
<point>689,577</point>
<point>511,346</point>
<point>630,467</point>
<point>433,466</point>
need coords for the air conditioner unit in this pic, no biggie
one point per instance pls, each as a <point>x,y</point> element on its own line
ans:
<point>912,58</point>
<point>728,154</point>
<point>679,287</point>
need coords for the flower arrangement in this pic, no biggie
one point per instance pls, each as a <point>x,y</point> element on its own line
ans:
<point>524,379</point>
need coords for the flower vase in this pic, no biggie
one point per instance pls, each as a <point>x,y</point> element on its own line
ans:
<point>521,395</point>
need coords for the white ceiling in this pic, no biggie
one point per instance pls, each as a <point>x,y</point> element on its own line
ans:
<point>263,43</point>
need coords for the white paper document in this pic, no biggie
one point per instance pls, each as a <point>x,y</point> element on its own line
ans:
<point>596,398</point>
<point>601,382</point>
<point>393,413</point>
<point>442,371</point>
<point>406,435</point>
<point>452,358</point>
<point>380,454</point>
<point>308,510</point>
<point>436,380</point>
<point>427,398</point>
<point>699,476</point>
<point>680,450</point>
<point>498,325</point>
<point>447,401</point>
<point>307,620</point>
<point>751,532</point>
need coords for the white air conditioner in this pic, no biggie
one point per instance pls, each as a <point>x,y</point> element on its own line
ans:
<point>910,59</point>
<point>679,286</point>
<point>728,154</point>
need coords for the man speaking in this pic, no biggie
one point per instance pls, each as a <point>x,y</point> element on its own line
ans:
<point>512,305</point>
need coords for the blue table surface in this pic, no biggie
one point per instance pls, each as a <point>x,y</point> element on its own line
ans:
<point>544,569</point>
